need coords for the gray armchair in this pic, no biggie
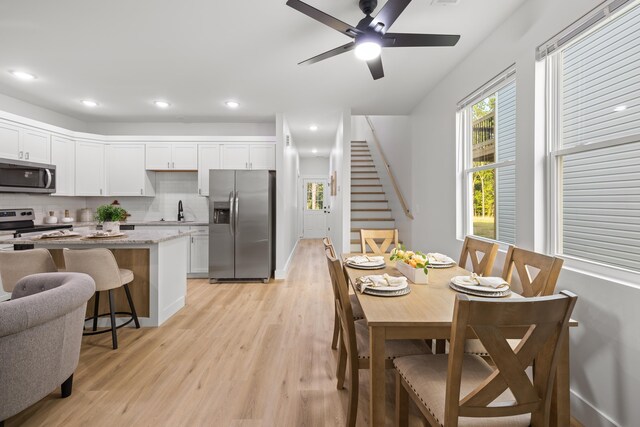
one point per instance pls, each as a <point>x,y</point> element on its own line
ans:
<point>40,337</point>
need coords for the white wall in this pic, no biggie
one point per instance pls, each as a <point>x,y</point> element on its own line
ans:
<point>340,216</point>
<point>394,134</point>
<point>288,167</point>
<point>605,350</point>
<point>34,112</point>
<point>183,129</point>
<point>314,166</point>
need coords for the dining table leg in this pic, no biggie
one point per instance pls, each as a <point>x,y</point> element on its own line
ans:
<point>560,399</point>
<point>377,402</point>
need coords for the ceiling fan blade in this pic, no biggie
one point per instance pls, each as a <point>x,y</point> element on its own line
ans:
<point>389,13</point>
<point>409,40</point>
<point>375,66</point>
<point>330,53</point>
<point>324,18</point>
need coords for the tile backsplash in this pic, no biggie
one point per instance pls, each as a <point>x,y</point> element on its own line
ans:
<point>170,188</point>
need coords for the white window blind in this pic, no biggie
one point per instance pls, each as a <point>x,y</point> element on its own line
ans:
<point>595,147</point>
<point>506,176</point>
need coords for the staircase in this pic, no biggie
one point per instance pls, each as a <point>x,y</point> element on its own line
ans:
<point>369,205</point>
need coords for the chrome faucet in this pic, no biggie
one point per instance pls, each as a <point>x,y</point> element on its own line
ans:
<point>180,211</point>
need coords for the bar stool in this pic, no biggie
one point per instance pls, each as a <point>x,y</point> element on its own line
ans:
<point>14,265</point>
<point>102,266</point>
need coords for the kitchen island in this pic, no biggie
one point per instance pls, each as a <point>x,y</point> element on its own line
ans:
<point>158,259</point>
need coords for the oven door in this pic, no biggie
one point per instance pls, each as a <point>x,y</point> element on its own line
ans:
<point>26,177</point>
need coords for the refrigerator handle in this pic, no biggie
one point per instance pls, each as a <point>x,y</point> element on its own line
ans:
<point>236,209</point>
<point>231,215</point>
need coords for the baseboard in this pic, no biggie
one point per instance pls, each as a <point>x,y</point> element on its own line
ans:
<point>587,414</point>
<point>282,274</point>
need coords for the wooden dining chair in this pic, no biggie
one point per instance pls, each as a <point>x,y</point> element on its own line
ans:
<point>378,240</point>
<point>357,310</point>
<point>471,249</point>
<point>354,342</point>
<point>461,389</point>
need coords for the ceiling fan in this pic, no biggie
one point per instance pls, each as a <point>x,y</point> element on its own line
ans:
<point>370,35</point>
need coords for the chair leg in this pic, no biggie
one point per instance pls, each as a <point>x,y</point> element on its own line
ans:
<point>402,403</point>
<point>1,423</point>
<point>67,387</point>
<point>342,363</point>
<point>354,385</point>
<point>96,308</point>
<point>336,330</point>
<point>441,347</point>
<point>131,306</point>
<point>114,333</point>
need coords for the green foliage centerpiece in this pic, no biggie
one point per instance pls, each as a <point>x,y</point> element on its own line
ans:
<point>411,264</point>
<point>110,216</point>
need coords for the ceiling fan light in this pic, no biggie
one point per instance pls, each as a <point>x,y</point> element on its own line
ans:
<point>368,50</point>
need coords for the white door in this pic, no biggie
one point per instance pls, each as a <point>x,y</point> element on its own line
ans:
<point>90,169</point>
<point>63,156</point>
<point>126,174</point>
<point>208,158</point>
<point>235,157</point>
<point>158,157</point>
<point>184,157</point>
<point>262,157</point>
<point>314,218</point>
<point>36,146</point>
<point>10,142</point>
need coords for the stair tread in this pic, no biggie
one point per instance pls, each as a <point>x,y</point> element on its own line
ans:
<point>367,192</point>
<point>369,201</point>
<point>370,210</point>
<point>372,219</point>
<point>366,185</point>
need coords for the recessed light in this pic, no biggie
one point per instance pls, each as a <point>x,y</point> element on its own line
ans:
<point>368,50</point>
<point>232,104</point>
<point>161,104</point>
<point>313,128</point>
<point>89,103</point>
<point>314,151</point>
<point>22,75</point>
<point>620,108</point>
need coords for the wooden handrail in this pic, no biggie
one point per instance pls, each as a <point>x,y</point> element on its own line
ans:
<point>407,212</point>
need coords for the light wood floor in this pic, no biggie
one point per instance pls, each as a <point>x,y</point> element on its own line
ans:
<point>236,355</point>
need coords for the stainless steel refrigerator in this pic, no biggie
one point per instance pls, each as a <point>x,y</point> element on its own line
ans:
<point>241,225</point>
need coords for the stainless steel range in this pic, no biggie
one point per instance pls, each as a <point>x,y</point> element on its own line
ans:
<point>22,221</point>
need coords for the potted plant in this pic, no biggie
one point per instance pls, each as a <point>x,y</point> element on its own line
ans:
<point>110,216</point>
<point>413,265</point>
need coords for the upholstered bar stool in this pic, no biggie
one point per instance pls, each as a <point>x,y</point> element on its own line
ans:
<point>14,265</point>
<point>102,266</point>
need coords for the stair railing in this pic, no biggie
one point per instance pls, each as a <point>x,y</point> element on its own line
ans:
<point>396,188</point>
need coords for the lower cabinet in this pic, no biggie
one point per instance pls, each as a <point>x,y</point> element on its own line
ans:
<point>199,263</point>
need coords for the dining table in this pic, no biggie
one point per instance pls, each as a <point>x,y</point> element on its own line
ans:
<point>426,313</point>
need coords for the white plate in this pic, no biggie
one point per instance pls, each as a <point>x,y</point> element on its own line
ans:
<point>465,282</point>
<point>389,288</point>
<point>104,236</point>
<point>396,293</point>
<point>498,294</point>
<point>367,265</point>
<point>440,265</point>
<point>55,236</point>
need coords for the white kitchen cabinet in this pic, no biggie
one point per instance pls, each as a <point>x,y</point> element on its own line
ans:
<point>199,263</point>
<point>166,157</point>
<point>262,156</point>
<point>90,169</point>
<point>24,144</point>
<point>208,158</point>
<point>126,173</point>
<point>234,156</point>
<point>63,156</point>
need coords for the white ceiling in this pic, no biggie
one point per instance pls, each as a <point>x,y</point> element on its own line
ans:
<point>197,54</point>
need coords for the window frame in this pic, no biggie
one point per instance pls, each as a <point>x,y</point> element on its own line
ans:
<point>554,152</point>
<point>464,136</point>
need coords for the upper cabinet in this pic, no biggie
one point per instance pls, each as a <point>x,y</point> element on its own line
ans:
<point>248,156</point>
<point>166,157</point>
<point>126,174</point>
<point>208,158</point>
<point>24,144</point>
<point>63,156</point>
<point>90,170</point>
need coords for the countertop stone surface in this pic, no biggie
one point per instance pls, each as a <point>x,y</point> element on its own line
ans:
<point>131,237</point>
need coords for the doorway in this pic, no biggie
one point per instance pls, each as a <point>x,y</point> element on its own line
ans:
<point>315,194</point>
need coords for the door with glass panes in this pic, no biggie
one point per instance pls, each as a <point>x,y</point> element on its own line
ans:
<point>315,208</point>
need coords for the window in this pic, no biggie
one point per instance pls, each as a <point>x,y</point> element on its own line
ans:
<point>593,133</point>
<point>315,196</point>
<point>487,139</point>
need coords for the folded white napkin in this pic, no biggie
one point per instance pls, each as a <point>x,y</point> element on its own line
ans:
<point>439,258</point>
<point>364,259</point>
<point>489,282</point>
<point>380,280</point>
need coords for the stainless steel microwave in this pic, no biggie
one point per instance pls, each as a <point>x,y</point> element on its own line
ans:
<point>17,176</point>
